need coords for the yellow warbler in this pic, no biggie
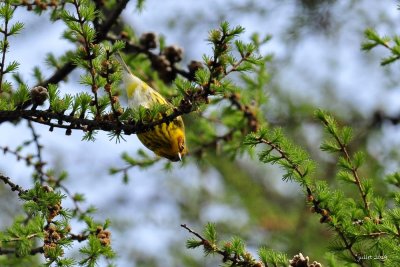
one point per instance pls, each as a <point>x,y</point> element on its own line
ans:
<point>166,140</point>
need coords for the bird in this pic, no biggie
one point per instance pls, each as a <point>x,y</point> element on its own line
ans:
<point>167,139</point>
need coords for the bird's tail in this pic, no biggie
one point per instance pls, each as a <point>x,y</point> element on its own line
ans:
<point>122,62</point>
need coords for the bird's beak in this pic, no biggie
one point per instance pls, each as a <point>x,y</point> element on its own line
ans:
<point>180,156</point>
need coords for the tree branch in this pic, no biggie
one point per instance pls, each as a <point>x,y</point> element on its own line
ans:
<point>68,67</point>
<point>14,187</point>
<point>46,117</point>
<point>33,251</point>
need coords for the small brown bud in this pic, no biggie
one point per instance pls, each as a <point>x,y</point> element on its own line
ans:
<point>114,99</point>
<point>52,228</point>
<point>39,94</point>
<point>107,233</point>
<point>107,87</point>
<point>324,212</point>
<point>148,40</point>
<point>299,260</point>
<point>325,219</point>
<point>193,67</point>
<point>161,63</point>
<point>47,188</point>
<point>315,264</point>
<point>173,53</point>
<point>68,131</point>
<point>163,66</point>
<point>43,6</point>
<point>105,241</point>
<point>99,228</point>
<point>105,64</point>
<point>220,70</point>
<point>119,111</point>
<point>101,235</point>
<point>310,198</point>
<point>55,236</point>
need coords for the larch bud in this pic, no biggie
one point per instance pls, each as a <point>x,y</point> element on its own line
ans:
<point>39,94</point>
<point>174,53</point>
<point>193,67</point>
<point>148,40</point>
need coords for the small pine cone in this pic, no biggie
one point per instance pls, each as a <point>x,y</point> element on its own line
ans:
<point>193,67</point>
<point>161,63</point>
<point>39,95</point>
<point>174,53</point>
<point>42,6</point>
<point>103,236</point>
<point>99,229</point>
<point>163,66</point>
<point>315,264</point>
<point>52,228</point>
<point>55,236</point>
<point>48,188</point>
<point>324,212</point>
<point>148,40</point>
<point>299,261</point>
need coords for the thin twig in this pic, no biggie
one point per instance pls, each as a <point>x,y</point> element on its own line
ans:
<point>89,55</point>
<point>194,233</point>
<point>40,163</point>
<point>237,260</point>
<point>13,186</point>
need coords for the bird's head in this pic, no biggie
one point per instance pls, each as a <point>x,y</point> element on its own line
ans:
<point>177,150</point>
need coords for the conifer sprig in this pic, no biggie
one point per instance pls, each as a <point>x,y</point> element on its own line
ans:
<point>6,31</point>
<point>340,139</point>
